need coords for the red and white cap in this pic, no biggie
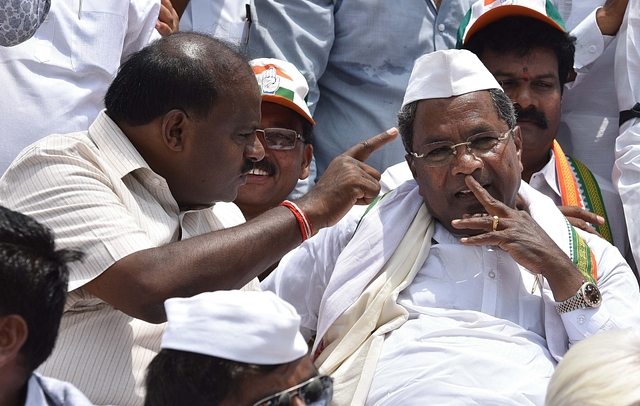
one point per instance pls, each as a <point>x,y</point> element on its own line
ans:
<point>485,12</point>
<point>282,83</point>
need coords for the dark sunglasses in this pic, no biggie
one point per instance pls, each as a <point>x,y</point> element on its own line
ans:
<point>317,391</point>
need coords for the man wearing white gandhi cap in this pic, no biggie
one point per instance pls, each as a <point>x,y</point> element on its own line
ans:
<point>234,348</point>
<point>463,285</point>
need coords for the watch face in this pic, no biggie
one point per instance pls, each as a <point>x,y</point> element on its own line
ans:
<point>592,295</point>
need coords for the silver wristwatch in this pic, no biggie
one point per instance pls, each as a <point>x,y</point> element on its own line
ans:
<point>588,296</point>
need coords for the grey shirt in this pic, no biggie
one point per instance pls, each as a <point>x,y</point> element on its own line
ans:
<point>43,391</point>
<point>357,56</point>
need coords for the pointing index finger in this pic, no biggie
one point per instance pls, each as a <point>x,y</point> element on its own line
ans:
<point>363,150</point>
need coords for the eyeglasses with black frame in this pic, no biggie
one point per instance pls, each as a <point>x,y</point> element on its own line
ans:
<point>317,391</point>
<point>481,145</point>
<point>279,138</point>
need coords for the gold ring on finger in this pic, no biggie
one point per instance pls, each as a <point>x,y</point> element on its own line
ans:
<point>496,220</point>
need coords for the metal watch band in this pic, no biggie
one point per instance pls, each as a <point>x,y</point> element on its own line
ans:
<point>575,302</point>
<point>587,296</point>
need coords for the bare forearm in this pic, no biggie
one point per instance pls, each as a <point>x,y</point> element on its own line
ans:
<point>225,259</point>
<point>563,276</point>
<point>610,16</point>
<point>139,284</point>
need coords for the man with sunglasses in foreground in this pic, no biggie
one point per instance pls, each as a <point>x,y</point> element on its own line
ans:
<point>463,285</point>
<point>286,131</point>
<point>234,348</point>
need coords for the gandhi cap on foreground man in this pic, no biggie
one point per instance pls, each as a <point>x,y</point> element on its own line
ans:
<point>463,280</point>
<point>234,348</point>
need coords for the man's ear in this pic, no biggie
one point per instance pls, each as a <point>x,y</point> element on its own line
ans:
<point>409,159</point>
<point>517,140</point>
<point>307,156</point>
<point>13,334</point>
<point>174,124</point>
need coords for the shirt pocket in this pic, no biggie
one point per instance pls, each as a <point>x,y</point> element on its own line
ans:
<point>98,36</point>
<point>235,32</point>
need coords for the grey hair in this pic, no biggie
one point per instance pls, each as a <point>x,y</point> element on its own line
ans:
<point>504,106</point>
<point>407,116</point>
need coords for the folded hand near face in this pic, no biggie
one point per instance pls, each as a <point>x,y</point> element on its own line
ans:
<point>523,238</point>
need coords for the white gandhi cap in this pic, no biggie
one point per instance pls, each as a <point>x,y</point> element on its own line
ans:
<point>243,326</point>
<point>443,74</point>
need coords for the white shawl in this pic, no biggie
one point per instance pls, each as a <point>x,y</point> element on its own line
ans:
<point>387,250</point>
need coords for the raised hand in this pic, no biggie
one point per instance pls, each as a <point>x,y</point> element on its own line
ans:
<point>270,81</point>
<point>521,236</point>
<point>347,181</point>
<point>580,218</point>
<point>168,19</point>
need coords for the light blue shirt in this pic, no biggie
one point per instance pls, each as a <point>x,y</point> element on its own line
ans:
<point>43,391</point>
<point>357,56</point>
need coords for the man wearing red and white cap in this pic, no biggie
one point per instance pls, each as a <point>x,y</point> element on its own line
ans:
<point>286,131</point>
<point>532,64</point>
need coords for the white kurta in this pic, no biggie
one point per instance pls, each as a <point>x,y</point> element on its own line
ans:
<point>475,333</point>
<point>589,123</point>
<point>465,295</point>
<point>626,173</point>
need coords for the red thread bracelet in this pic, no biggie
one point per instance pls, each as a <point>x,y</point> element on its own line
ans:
<point>303,221</point>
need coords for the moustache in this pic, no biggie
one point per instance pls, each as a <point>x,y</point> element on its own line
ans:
<point>247,166</point>
<point>532,115</point>
<point>264,165</point>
